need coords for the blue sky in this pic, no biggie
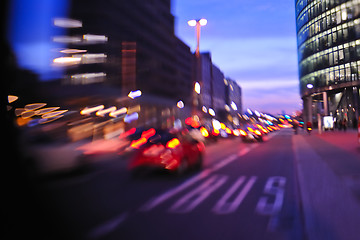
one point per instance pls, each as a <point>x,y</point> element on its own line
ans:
<point>252,42</point>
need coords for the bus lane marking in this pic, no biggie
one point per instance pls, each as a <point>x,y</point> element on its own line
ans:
<point>192,199</point>
<point>223,206</point>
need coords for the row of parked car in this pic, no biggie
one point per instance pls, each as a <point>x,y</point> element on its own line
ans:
<point>177,150</point>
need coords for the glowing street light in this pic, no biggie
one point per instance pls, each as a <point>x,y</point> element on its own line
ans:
<point>197,88</point>
<point>309,86</point>
<point>198,24</point>
<point>180,104</point>
<point>134,94</point>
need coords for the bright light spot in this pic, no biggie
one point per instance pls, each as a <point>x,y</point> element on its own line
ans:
<point>197,88</point>
<point>204,109</point>
<point>216,124</point>
<point>204,132</point>
<point>233,105</point>
<point>236,132</point>
<point>227,108</point>
<point>309,86</point>
<point>249,111</point>
<point>203,22</point>
<point>211,112</point>
<point>192,23</point>
<point>180,104</point>
<point>257,113</point>
<point>344,15</point>
<point>12,98</point>
<point>222,126</point>
<point>134,94</point>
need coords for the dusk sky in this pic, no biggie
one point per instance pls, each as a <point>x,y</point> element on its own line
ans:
<point>252,42</point>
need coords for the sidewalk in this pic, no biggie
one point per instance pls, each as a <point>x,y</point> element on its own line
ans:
<point>328,172</point>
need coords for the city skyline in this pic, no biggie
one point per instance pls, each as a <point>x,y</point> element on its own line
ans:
<point>251,42</point>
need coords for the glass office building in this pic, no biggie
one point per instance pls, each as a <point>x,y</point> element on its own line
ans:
<point>328,37</point>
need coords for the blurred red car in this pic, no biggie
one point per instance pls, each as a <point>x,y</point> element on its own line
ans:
<point>175,152</point>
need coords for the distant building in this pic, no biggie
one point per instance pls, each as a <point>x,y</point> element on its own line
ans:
<point>328,38</point>
<point>214,91</point>
<point>233,96</point>
<point>142,52</point>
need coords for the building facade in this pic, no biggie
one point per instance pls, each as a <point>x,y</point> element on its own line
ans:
<point>328,38</point>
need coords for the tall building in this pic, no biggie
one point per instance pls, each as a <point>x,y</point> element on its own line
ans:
<point>212,86</point>
<point>328,38</point>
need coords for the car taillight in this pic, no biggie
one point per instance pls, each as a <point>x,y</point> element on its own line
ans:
<point>137,143</point>
<point>173,143</point>
<point>216,132</point>
<point>243,133</point>
<point>204,132</point>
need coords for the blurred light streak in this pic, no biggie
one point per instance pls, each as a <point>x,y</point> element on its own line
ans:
<point>116,113</point>
<point>137,143</point>
<point>47,120</point>
<point>34,106</point>
<point>173,143</point>
<point>66,61</point>
<point>69,51</point>
<point>149,133</point>
<point>95,38</point>
<point>67,23</point>
<point>53,114</point>
<point>46,110</point>
<point>102,113</point>
<point>66,39</point>
<point>27,114</point>
<point>87,110</point>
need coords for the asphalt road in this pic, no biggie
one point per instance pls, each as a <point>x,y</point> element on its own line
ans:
<point>244,191</point>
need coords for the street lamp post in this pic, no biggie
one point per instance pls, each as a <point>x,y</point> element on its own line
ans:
<point>198,24</point>
<point>197,83</point>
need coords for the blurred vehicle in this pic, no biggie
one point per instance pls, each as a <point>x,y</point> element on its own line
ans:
<point>173,151</point>
<point>251,133</point>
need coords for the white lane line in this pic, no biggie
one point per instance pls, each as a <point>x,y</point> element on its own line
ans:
<point>225,207</point>
<point>152,203</point>
<point>172,192</point>
<point>107,227</point>
<point>192,199</point>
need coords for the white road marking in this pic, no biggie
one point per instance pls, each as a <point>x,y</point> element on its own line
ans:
<point>192,199</point>
<point>225,207</point>
<point>274,186</point>
<point>172,192</point>
<point>152,203</point>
